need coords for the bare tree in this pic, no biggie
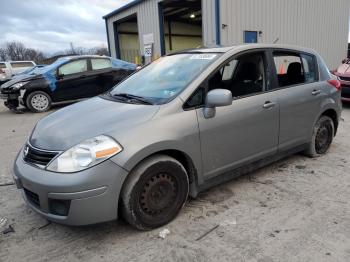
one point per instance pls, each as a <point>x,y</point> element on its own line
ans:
<point>3,54</point>
<point>15,50</point>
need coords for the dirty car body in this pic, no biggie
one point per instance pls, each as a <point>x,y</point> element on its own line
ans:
<point>180,125</point>
<point>67,79</point>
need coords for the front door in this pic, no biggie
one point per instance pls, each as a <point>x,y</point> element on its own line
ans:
<point>248,129</point>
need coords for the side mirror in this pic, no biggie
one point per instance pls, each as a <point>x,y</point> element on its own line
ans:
<point>216,98</point>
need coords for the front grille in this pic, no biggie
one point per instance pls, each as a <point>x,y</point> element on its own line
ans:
<point>32,197</point>
<point>38,156</point>
<point>344,78</point>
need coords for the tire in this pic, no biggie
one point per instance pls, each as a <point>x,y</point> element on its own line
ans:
<point>38,102</point>
<point>154,192</point>
<point>322,137</point>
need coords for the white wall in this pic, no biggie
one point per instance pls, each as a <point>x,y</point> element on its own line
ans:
<point>322,25</point>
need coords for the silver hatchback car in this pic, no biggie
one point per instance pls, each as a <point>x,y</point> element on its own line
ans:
<point>184,123</point>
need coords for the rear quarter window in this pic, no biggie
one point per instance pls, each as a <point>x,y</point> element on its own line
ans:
<point>310,65</point>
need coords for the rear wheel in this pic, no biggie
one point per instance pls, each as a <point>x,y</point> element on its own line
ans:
<point>154,192</point>
<point>38,101</point>
<point>322,137</point>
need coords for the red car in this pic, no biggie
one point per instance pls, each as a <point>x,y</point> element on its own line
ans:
<point>343,74</point>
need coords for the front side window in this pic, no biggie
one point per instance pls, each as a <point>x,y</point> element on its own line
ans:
<point>166,77</point>
<point>74,67</point>
<point>244,75</point>
<point>100,63</point>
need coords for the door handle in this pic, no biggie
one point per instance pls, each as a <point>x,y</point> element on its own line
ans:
<point>316,92</point>
<point>269,104</point>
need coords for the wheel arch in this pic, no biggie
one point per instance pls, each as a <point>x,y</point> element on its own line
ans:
<point>31,90</point>
<point>334,116</point>
<point>184,159</point>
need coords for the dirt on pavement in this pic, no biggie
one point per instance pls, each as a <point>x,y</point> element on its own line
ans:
<point>294,210</point>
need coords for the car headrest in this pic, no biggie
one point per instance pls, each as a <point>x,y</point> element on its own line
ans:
<point>248,71</point>
<point>294,69</point>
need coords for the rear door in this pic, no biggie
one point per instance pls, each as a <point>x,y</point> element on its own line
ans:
<point>74,81</point>
<point>299,95</point>
<point>102,69</point>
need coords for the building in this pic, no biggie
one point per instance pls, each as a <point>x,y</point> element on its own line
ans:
<point>150,28</point>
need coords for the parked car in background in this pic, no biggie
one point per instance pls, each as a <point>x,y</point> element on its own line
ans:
<point>184,123</point>
<point>8,69</point>
<point>67,79</point>
<point>343,74</point>
<point>29,71</point>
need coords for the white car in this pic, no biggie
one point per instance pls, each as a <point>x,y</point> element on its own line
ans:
<point>10,68</point>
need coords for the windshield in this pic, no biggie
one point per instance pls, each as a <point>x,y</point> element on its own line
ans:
<point>165,78</point>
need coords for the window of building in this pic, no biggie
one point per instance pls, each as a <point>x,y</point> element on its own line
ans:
<point>250,37</point>
<point>74,67</point>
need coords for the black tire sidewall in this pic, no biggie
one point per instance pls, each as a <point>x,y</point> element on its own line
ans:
<point>321,121</point>
<point>132,208</point>
<point>29,98</point>
<point>324,121</point>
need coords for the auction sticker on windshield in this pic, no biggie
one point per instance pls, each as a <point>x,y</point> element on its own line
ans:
<point>203,56</point>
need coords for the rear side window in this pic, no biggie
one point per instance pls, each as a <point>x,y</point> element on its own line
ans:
<point>74,67</point>
<point>21,64</point>
<point>100,63</point>
<point>294,69</point>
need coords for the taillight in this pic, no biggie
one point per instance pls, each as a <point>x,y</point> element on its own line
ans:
<point>335,83</point>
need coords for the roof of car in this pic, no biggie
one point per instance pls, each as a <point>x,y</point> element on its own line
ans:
<point>248,47</point>
<point>84,56</point>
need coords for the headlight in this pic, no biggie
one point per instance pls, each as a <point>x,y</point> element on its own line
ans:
<point>18,85</point>
<point>86,154</point>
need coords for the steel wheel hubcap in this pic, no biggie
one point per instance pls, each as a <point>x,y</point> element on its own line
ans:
<point>158,194</point>
<point>40,102</point>
<point>322,138</point>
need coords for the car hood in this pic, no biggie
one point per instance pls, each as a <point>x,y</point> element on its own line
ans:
<point>20,78</point>
<point>73,124</point>
<point>343,70</point>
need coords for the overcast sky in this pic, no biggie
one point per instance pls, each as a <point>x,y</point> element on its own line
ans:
<point>50,25</point>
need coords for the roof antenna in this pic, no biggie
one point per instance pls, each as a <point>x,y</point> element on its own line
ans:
<point>277,39</point>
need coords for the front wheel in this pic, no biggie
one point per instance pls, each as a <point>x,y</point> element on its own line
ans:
<point>322,137</point>
<point>154,192</point>
<point>38,101</point>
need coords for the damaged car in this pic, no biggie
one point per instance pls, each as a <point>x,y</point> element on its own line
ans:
<point>67,79</point>
<point>186,122</point>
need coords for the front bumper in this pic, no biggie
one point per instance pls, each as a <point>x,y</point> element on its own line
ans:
<point>92,194</point>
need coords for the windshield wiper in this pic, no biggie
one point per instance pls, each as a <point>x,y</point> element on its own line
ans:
<point>133,97</point>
